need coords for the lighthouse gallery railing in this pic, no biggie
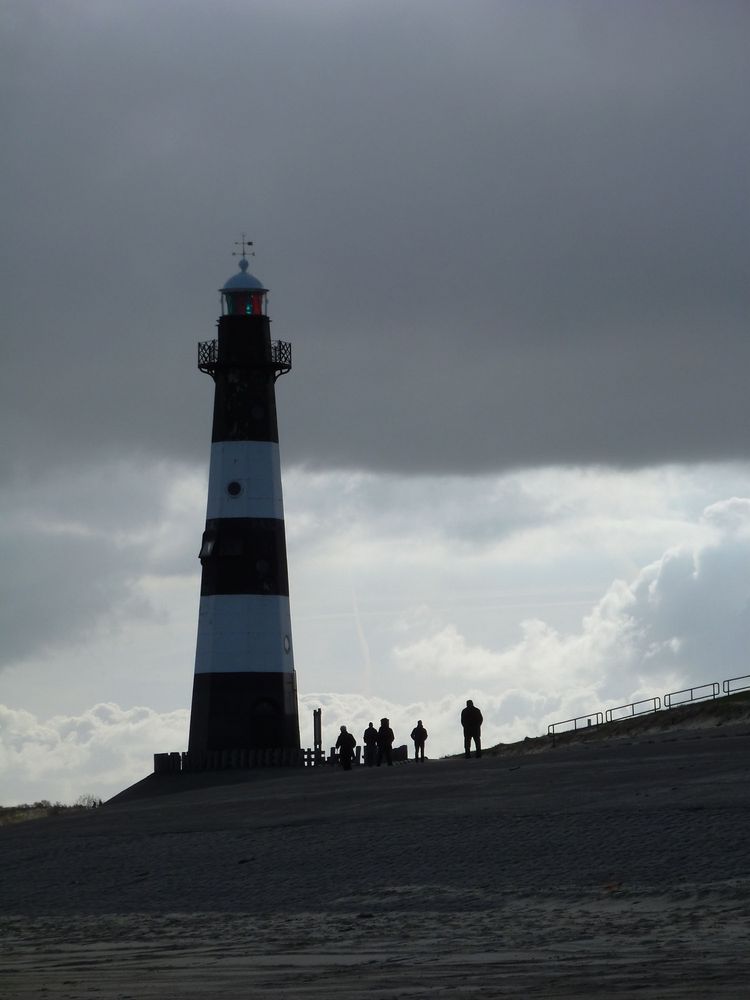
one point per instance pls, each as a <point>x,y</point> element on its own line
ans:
<point>280,358</point>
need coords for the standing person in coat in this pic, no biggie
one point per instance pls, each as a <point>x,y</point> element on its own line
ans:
<point>370,740</point>
<point>471,720</point>
<point>419,735</point>
<point>346,745</point>
<point>385,742</point>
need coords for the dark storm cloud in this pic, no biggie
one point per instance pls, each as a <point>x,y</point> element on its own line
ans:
<point>75,549</point>
<point>498,234</point>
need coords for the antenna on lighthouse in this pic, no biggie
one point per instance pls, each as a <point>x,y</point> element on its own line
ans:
<point>244,243</point>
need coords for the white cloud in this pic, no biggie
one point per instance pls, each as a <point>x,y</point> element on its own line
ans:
<point>509,713</point>
<point>541,595</point>
<point>98,752</point>
<point>729,515</point>
<point>683,619</point>
<point>107,748</point>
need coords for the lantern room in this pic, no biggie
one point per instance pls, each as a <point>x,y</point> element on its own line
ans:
<point>243,294</point>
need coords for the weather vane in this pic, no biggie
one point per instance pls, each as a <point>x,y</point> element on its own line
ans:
<point>244,243</point>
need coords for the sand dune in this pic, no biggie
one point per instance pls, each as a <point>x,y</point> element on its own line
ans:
<point>597,870</point>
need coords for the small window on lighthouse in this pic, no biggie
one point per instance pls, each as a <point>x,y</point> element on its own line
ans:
<point>207,545</point>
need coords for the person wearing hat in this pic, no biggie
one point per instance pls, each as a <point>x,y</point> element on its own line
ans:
<point>346,745</point>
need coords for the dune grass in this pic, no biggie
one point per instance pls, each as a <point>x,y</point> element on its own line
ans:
<point>42,809</point>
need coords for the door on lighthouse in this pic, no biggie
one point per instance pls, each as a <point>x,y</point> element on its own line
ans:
<point>264,720</point>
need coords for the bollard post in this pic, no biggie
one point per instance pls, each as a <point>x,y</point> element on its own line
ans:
<point>317,728</point>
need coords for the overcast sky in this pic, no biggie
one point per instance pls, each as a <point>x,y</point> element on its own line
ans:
<point>509,244</point>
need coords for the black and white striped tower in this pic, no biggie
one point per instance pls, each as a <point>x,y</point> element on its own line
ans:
<point>244,690</point>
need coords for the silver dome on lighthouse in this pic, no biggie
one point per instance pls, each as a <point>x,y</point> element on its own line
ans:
<point>243,281</point>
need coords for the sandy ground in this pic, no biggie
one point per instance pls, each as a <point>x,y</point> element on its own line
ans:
<point>617,870</point>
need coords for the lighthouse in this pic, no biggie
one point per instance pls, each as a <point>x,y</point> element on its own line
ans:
<point>244,688</point>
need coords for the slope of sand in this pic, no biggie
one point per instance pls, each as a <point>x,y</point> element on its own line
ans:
<point>597,870</point>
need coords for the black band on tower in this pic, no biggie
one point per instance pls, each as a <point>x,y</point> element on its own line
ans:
<point>244,555</point>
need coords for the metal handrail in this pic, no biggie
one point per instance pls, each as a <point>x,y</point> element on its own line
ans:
<point>551,728</point>
<point>726,685</point>
<point>654,703</point>
<point>712,693</point>
<point>703,692</point>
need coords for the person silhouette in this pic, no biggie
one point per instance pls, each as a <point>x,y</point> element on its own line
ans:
<point>419,735</point>
<point>385,742</point>
<point>471,720</point>
<point>346,745</point>
<point>370,740</point>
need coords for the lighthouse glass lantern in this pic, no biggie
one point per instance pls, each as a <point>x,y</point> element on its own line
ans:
<point>243,294</point>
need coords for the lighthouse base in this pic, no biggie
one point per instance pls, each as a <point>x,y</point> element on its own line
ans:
<point>244,711</point>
